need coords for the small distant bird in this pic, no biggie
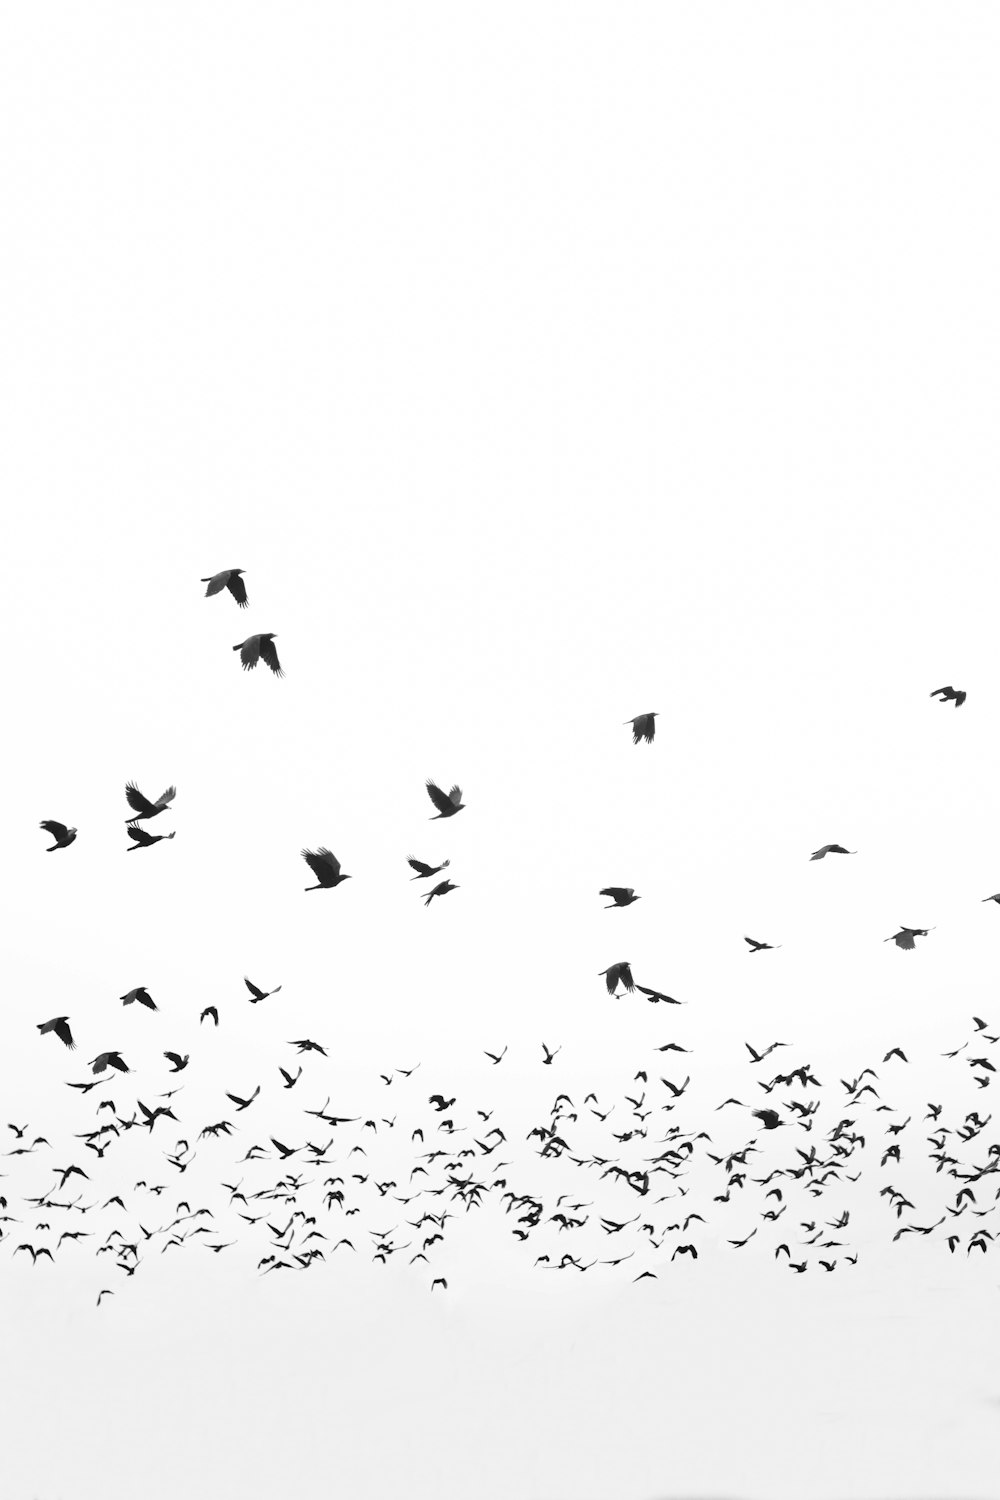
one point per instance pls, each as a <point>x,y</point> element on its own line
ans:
<point>256,995</point>
<point>63,836</point>
<point>896,1052</point>
<point>141,995</point>
<point>904,937</point>
<point>496,1057</point>
<point>440,1103</point>
<point>618,974</point>
<point>209,1012</point>
<point>447,804</point>
<point>231,579</point>
<point>105,1292</point>
<point>831,849</point>
<point>178,1063</point>
<point>958,697</point>
<point>424,870</point>
<point>325,866</point>
<point>769,1118</point>
<point>259,648</point>
<point>144,840</point>
<point>307,1046</point>
<point>60,1026</point>
<point>621,895</point>
<point>549,1056</point>
<point>756,947</point>
<point>142,805</point>
<point>441,889</point>
<point>657,997</point>
<point>242,1104</point>
<point>643,728</point>
<point>105,1060</point>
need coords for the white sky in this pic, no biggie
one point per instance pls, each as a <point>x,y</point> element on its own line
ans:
<point>542,364</point>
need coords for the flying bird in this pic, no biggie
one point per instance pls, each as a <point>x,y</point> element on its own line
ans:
<point>549,1056</point>
<point>618,974</point>
<point>441,889</point>
<point>141,995</point>
<point>142,806</point>
<point>643,728</point>
<point>756,947</point>
<point>231,579</point>
<point>60,1026</point>
<point>621,895</point>
<point>447,804</point>
<point>424,870</point>
<point>325,866</point>
<point>178,1063</point>
<point>257,995</point>
<point>259,648</point>
<point>105,1060</point>
<point>831,849</point>
<point>209,1012</point>
<point>904,937</point>
<point>956,696</point>
<point>144,840</point>
<point>63,836</point>
<point>769,1118</point>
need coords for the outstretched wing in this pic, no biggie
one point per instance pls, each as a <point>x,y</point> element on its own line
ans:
<point>455,795</point>
<point>414,864</point>
<point>238,589</point>
<point>322,863</point>
<point>167,796</point>
<point>64,1034</point>
<point>216,583</point>
<point>57,830</point>
<point>270,655</point>
<point>135,799</point>
<point>255,992</point>
<point>441,802</point>
<point>140,835</point>
<point>173,1057</point>
<point>250,652</point>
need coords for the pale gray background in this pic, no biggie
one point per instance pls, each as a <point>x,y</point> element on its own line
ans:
<point>542,364</point>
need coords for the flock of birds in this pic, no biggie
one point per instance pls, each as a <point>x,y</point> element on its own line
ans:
<point>435,1159</point>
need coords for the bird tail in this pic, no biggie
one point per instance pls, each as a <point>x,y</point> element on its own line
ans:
<point>171,835</point>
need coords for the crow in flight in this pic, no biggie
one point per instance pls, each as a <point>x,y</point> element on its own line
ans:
<point>768,1117</point>
<point>142,995</point>
<point>995,898</point>
<point>447,804</point>
<point>904,937</point>
<point>209,1011</point>
<point>643,728</point>
<point>657,997</point>
<point>59,1025</point>
<point>231,579</point>
<point>831,849</point>
<point>259,648</point>
<point>618,974</point>
<point>441,889</point>
<point>549,1056</point>
<point>178,1063</point>
<point>105,1060</point>
<point>325,866</point>
<point>958,697</point>
<point>63,836</point>
<point>257,995</point>
<point>144,840</point>
<point>621,895</point>
<point>142,806</point>
<point>756,947</point>
<point>424,870</point>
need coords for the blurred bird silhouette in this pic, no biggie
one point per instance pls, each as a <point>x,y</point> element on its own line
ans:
<point>256,995</point>
<point>904,937</point>
<point>325,866</point>
<point>142,806</point>
<point>447,804</point>
<point>259,648</point>
<point>621,895</point>
<point>441,889</point>
<point>143,839</point>
<point>141,995</point>
<point>956,696</point>
<point>643,728</point>
<point>617,974</point>
<point>756,947</point>
<point>231,579</point>
<point>831,849</point>
<point>60,1026</point>
<point>424,870</point>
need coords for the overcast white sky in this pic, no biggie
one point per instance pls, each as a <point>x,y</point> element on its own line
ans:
<point>542,364</point>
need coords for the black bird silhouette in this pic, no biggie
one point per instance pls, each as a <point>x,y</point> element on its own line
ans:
<point>257,995</point>
<point>141,995</point>
<point>769,1118</point>
<point>307,1046</point>
<point>259,648</point>
<point>904,937</point>
<point>621,895</point>
<point>105,1060</point>
<point>756,947</point>
<point>617,974</point>
<point>325,866</point>
<point>447,804</point>
<point>831,849</point>
<point>60,1026</point>
<point>496,1057</point>
<point>441,889</point>
<point>957,696</point>
<point>142,805</point>
<point>178,1063</point>
<point>209,1012</point>
<point>643,728</point>
<point>440,1103</point>
<point>657,997</point>
<point>231,579</point>
<point>144,840</point>
<point>549,1056</point>
<point>424,870</point>
<point>995,898</point>
<point>63,836</point>
<point>242,1104</point>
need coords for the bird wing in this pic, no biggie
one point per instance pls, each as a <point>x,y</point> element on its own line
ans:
<point>455,795</point>
<point>269,652</point>
<point>140,835</point>
<point>238,589</point>
<point>322,863</point>
<point>414,864</point>
<point>173,1057</point>
<point>250,652</point>
<point>63,1032</point>
<point>167,796</point>
<point>257,994</point>
<point>135,799</point>
<point>216,583</point>
<point>57,830</point>
<point>441,802</point>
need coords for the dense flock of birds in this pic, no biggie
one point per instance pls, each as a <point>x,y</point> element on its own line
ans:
<point>597,1182</point>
